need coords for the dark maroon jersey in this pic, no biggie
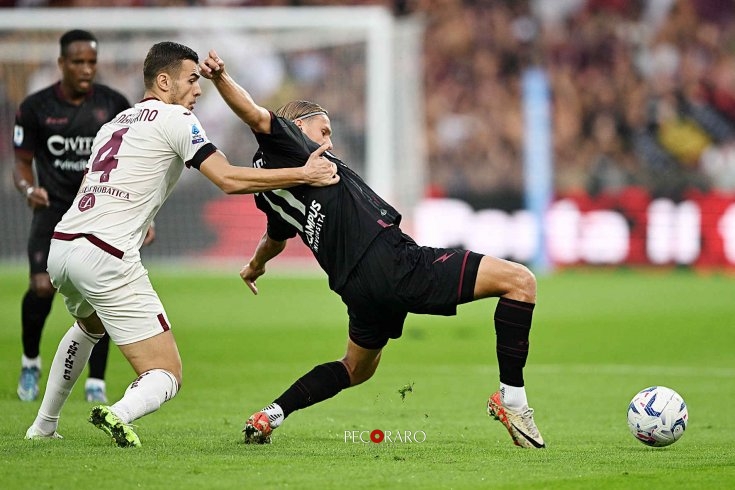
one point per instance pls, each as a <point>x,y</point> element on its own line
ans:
<point>337,222</point>
<point>59,135</point>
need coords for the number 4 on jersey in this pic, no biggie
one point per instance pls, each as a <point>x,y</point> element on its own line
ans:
<point>106,159</point>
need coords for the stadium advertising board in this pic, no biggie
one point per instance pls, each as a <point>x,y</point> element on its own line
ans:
<point>627,228</point>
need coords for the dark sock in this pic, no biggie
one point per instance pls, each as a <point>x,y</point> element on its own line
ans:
<point>512,327</point>
<point>319,384</point>
<point>98,359</point>
<point>34,311</point>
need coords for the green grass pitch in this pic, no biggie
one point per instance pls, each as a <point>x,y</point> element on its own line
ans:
<point>598,337</point>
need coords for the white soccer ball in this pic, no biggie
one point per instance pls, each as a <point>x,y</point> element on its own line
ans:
<point>657,416</point>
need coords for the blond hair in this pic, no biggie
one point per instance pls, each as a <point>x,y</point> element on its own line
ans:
<point>300,109</point>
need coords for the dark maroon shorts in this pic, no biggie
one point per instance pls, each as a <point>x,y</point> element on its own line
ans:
<point>396,277</point>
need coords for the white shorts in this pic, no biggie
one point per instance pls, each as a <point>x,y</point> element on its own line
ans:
<point>92,280</point>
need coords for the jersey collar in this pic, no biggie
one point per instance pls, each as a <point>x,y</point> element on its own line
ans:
<point>60,94</point>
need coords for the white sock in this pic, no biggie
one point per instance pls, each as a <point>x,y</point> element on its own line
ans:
<point>69,361</point>
<point>95,383</point>
<point>146,394</point>
<point>514,397</point>
<point>29,362</point>
<point>275,414</point>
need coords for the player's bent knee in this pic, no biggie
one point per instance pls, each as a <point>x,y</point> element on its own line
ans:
<point>43,289</point>
<point>92,324</point>
<point>362,373</point>
<point>527,283</point>
<point>360,363</point>
<point>524,285</point>
<point>359,372</point>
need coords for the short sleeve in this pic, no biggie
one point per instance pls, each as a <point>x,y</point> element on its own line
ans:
<point>277,228</point>
<point>187,136</point>
<point>25,132</point>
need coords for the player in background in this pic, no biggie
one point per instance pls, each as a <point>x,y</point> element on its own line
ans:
<point>380,273</point>
<point>94,259</point>
<point>54,129</point>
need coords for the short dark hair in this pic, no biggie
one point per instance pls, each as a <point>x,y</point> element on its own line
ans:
<point>72,36</point>
<point>165,56</point>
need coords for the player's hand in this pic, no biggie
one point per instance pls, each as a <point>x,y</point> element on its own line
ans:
<point>150,235</point>
<point>38,198</point>
<point>320,172</point>
<point>250,274</point>
<point>212,66</point>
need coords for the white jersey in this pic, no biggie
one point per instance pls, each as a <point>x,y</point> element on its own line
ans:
<point>136,160</point>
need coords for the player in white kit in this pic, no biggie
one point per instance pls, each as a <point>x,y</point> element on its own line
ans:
<point>94,260</point>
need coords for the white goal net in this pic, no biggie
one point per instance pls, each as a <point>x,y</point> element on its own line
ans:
<point>357,62</point>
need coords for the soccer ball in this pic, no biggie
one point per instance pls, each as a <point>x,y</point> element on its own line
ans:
<point>657,416</point>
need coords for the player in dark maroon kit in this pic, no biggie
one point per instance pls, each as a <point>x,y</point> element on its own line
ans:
<point>54,130</point>
<point>380,273</point>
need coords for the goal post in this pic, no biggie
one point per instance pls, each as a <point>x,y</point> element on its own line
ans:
<point>344,58</point>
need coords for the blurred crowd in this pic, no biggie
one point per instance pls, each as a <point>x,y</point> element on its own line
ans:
<point>642,91</point>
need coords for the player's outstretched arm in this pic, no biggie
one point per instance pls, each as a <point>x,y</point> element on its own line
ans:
<point>318,172</point>
<point>267,249</point>
<point>239,100</point>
